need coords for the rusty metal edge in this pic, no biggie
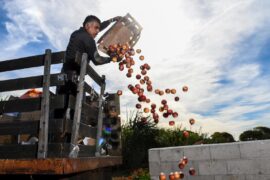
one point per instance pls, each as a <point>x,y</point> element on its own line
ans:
<point>56,166</point>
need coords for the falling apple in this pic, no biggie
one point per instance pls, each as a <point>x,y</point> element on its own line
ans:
<point>185,88</point>
<point>192,171</point>
<point>138,51</point>
<point>186,134</point>
<point>119,92</point>
<point>191,121</point>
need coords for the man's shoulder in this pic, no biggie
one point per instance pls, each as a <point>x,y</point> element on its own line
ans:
<point>81,34</point>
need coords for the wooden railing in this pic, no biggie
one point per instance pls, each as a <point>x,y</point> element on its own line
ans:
<point>58,121</point>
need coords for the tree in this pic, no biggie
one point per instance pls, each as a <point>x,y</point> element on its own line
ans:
<point>221,137</point>
<point>258,133</point>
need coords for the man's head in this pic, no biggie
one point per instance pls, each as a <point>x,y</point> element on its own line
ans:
<point>92,25</point>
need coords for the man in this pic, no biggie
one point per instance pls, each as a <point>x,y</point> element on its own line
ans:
<point>82,40</point>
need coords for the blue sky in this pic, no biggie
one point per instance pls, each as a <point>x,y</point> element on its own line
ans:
<point>220,49</point>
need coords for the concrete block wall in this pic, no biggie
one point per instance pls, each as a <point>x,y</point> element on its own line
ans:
<point>228,161</point>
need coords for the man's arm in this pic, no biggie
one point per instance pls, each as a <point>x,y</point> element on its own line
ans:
<point>93,54</point>
<point>105,24</point>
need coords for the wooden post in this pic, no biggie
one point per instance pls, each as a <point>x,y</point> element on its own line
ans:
<point>78,105</point>
<point>45,108</point>
<point>100,116</point>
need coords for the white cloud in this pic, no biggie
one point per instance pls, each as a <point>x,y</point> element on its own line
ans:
<point>186,43</point>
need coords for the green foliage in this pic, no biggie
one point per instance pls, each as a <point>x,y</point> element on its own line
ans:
<point>258,133</point>
<point>220,137</point>
<point>138,136</point>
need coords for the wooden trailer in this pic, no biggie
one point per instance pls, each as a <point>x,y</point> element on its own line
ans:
<point>58,135</point>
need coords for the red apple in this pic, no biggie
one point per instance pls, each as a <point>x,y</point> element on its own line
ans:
<point>181,165</point>
<point>171,123</point>
<point>192,171</point>
<point>185,88</point>
<point>138,76</point>
<point>162,176</point>
<point>186,134</point>
<point>175,114</point>
<point>138,106</point>
<point>141,58</point>
<point>191,121</point>
<point>171,176</point>
<point>119,92</point>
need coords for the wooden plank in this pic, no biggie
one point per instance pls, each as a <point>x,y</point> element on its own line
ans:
<point>94,75</point>
<point>18,127</point>
<point>45,108</point>
<point>100,116</point>
<point>25,116</point>
<point>31,104</point>
<point>17,151</point>
<point>29,62</point>
<point>29,82</point>
<point>90,71</point>
<point>79,99</point>
<point>56,166</point>
<point>92,93</point>
<point>10,127</point>
<point>87,131</point>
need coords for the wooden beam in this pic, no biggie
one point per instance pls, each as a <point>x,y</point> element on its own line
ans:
<point>94,75</point>
<point>11,127</point>
<point>45,108</point>
<point>100,116</point>
<point>31,104</point>
<point>29,82</point>
<point>93,94</point>
<point>29,62</point>
<point>79,101</point>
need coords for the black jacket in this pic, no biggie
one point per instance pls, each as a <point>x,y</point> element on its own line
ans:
<point>82,42</point>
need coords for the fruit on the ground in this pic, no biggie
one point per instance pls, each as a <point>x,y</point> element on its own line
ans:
<point>162,176</point>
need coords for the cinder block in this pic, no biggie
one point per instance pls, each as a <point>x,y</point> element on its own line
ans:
<point>154,177</point>
<point>230,177</point>
<point>153,155</point>
<point>169,155</point>
<point>212,168</point>
<point>264,165</point>
<point>154,168</point>
<point>188,177</point>
<point>225,151</point>
<point>243,167</point>
<point>166,167</point>
<point>257,177</point>
<point>255,149</point>
<point>197,153</point>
